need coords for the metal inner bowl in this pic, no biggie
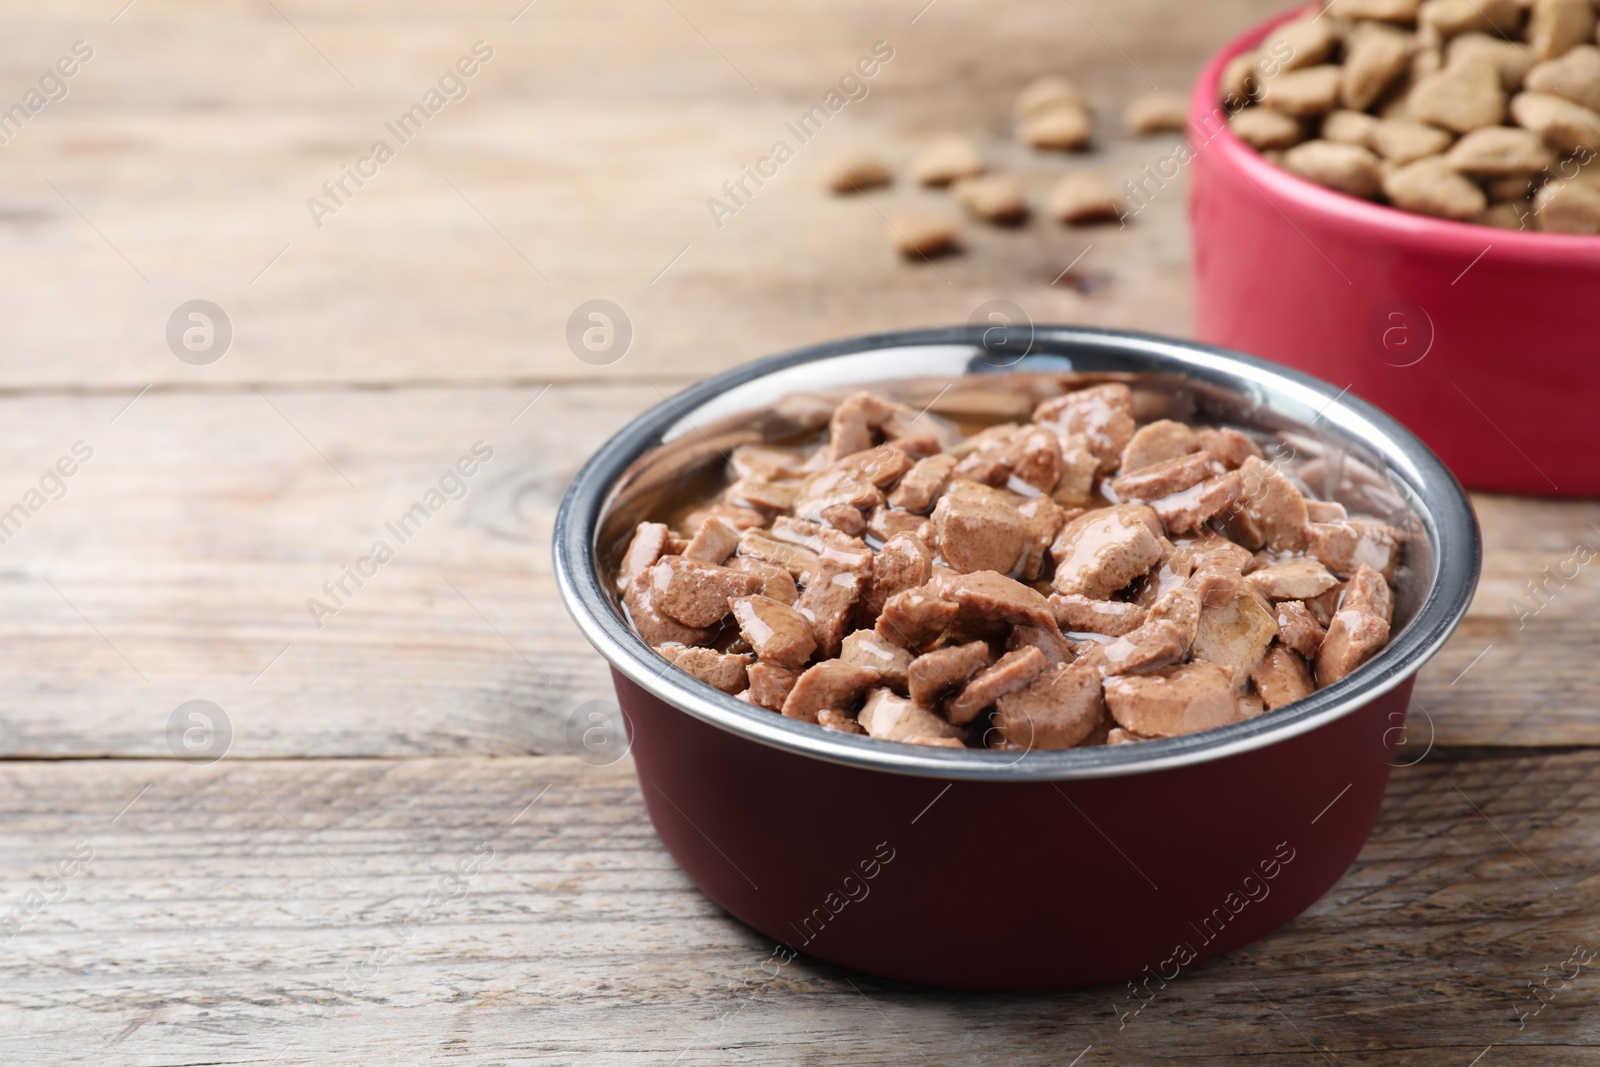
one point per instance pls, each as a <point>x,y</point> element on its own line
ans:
<point>1341,447</point>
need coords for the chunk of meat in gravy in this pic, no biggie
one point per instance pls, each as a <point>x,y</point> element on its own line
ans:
<point>933,674</point>
<point>904,563</point>
<point>1282,677</point>
<point>714,542</point>
<point>1294,579</point>
<point>1118,736</point>
<point>766,463</point>
<point>776,581</point>
<point>798,561</point>
<point>1155,644</point>
<point>1228,446</point>
<point>778,633</point>
<point>1298,628</point>
<point>1274,505</point>
<point>922,484</point>
<point>1099,552</point>
<point>1165,478</point>
<point>1079,614</point>
<point>830,719</point>
<point>885,523</point>
<point>1235,635</point>
<point>865,648</point>
<point>1034,460</point>
<point>1159,441</point>
<point>1102,413</point>
<point>858,417</point>
<point>694,593</point>
<point>1078,470</point>
<point>648,545</point>
<point>1042,519</point>
<point>1190,509</point>
<point>989,600</point>
<point>1359,627</point>
<point>1173,701</point>
<point>826,602</point>
<point>654,627</point>
<point>1344,546</point>
<point>719,670</point>
<point>977,529</point>
<point>830,684</point>
<point>1060,708</point>
<point>770,684</point>
<point>828,544</point>
<point>914,617</point>
<point>891,717</point>
<point>1010,672</point>
<point>1048,640</point>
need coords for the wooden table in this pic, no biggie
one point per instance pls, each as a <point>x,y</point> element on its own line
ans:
<point>164,912</point>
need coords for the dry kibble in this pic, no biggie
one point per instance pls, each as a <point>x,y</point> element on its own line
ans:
<point>1432,187</point>
<point>945,160</point>
<point>852,173</point>
<point>1349,127</point>
<point>1557,25</point>
<point>1306,42</point>
<point>1084,197</point>
<point>1575,76</point>
<point>1374,56</point>
<point>1425,61</point>
<point>993,197</point>
<point>1508,57</point>
<point>1265,128</point>
<point>1304,92</point>
<point>1402,141</point>
<point>1380,10</point>
<point>1568,207</point>
<point>1509,215</point>
<point>1241,77</point>
<point>1157,113</point>
<point>1061,126</point>
<point>1565,126</point>
<point>921,233</point>
<point>1451,17</point>
<point>1514,187</point>
<point>1500,150</point>
<point>1463,96</point>
<point>1348,168</point>
<point>1044,93</point>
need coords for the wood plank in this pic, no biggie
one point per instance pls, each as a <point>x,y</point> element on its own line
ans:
<point>192,540</point>
<point>221,915</point>
<point>181,162</point>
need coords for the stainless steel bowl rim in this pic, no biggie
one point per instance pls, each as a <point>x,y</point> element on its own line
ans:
<point>1445,511</point>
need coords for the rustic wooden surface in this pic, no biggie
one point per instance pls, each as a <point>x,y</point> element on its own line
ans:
<point>222,909</point>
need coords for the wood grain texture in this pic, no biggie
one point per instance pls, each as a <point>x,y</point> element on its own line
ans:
<point>230,915</point>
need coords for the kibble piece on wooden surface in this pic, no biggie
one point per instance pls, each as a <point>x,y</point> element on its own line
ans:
<point>856,171</point>
<point>1302,42</point>
<point>922,233</point>
<point>1508,215</point>
<point>1241,77</point>
<point>1265,128</point>
<point>1374,56</point>
<point>1084,197</point>
<point>1403,141</point>
<point>1495,151</point>
<point>1565,126</point>
<point>1574,76</point>
<point>1305,92</point>
<point>1568,207</point>
<point>1451,17</point>
<point>1554,26</point>
<point>1349,127</point>
<point>1432,187</point>
<point>1510,58</point>
<point>1348,168</point>
<point>1157,113</point>
<point>1462,97</point>
<point>1379,10</point>
<point>1046,92</point>
<point>1062,127</point>
<point>993,197</point>
<point>946,159</point>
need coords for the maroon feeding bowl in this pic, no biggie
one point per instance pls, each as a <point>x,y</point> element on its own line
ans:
<point>994,870</point>
<point>1482,340</point>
